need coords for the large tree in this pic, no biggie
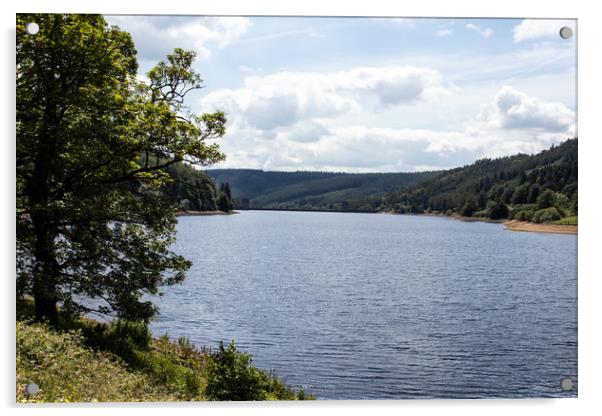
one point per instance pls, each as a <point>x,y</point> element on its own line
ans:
<point>92,144</point>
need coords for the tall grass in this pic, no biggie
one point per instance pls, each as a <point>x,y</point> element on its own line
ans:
<point>85,360</point>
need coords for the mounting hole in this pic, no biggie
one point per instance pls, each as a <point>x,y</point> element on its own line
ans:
<point>32,28</point>
<point>566,384</point>
<point>566,32</point>
<point>32,389</point>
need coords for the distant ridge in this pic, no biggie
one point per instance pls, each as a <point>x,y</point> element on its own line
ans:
<point>507,187</point>
<point>313,190</point>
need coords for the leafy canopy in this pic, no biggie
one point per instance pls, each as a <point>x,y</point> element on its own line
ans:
<point>93,142</point>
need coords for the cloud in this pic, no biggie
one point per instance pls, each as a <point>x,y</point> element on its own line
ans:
<point>530,29</point>
<point>281,99</point>
<point>514,110</point>
<point>511,122</point>
<point>445,32</point>
<point>486,32</point>
<point>155,36</point>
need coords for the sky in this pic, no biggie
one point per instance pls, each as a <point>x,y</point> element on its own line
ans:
<point>372,94</point>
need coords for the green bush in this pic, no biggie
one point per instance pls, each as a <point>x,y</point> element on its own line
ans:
<point>135,333</point>
<point>546,215</point>
<point>524,215</point>
<point>231,376</point>
<point>545,199</point>
<point>497,210</point>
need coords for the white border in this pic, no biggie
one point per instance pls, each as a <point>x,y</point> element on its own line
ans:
<point>590,204</point>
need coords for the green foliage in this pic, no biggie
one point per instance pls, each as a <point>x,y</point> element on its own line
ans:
<point>313,190</point>
<point>523,212</point>
<point>68,371</point>
<point>546,199</point>
<point>94,149</point>
<point>572,220</point>
<point>500,187</point>
<point>85,360</point>
<point>231,376</point>
<point>189,189</point>
<point>224,200</point>
<point>497,210</point>
<point>546,215</point>
<point>135,334</point>
<point>470,207</point>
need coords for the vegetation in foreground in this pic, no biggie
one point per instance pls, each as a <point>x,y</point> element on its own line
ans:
<point>87,361</point>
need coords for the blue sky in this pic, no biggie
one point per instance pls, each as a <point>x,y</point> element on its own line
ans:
<point>373,94</point>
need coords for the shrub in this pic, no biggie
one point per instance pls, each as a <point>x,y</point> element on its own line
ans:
<point>546,215</point>
<point>497,210</point>
<point>470,207</point>
<point>545,199</point>
<point>231,376</point>
<point>135,333</point>
<point>524,215</point>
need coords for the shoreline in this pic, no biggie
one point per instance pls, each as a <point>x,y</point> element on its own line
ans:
<point>202,213</point>
<point>510,225</point>
<point>514,225</point>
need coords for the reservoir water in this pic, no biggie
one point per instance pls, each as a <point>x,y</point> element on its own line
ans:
<point>354,306</point>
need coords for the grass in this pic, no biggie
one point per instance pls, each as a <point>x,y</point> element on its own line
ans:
<point>572,220</point>
<point>87,361</point>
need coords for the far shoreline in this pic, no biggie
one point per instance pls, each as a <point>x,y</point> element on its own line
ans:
<point>514,225</point>
<point>509,225</point>
<point>203,213</point>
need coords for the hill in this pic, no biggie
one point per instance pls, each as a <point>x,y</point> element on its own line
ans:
<point>538,188</point>
<point>313,190</point>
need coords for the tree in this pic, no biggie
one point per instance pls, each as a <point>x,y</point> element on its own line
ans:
<point>470,207</point>
<point>497,210</point>
<point>545,199</point>
<point>93,146</point>
<point>224,199</point>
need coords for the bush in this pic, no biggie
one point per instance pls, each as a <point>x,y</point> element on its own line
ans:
<point>497,210</point>
<point>135,333</point>
<point>524,215</point>
<point>523,212</point>
<point>546,215</point>
<point>470,207</point>
<point>231,376</point>
<point>545,199</point>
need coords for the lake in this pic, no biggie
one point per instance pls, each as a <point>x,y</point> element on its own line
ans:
<point>368,306</point>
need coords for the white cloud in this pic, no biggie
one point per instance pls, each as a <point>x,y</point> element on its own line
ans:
<point>486,32</point>
<point>514,110</point>
<point>157,35</point>
<point>445,32</point>
<point>540,29</point>
<point>281,99</point>
<point>510,123</point>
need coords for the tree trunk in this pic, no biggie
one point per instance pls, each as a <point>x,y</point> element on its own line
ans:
<point>45,272</point>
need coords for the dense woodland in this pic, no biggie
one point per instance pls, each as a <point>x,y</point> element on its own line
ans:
<point>257,189</point>
<point>537,188</point>
<point>193,190</point>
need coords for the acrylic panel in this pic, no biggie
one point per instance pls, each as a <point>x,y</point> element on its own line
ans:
<point>283,208</point>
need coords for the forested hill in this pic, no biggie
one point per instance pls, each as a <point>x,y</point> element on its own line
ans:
<point>538,188</point>
<point>313,190</point>
<point>191,189</point>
